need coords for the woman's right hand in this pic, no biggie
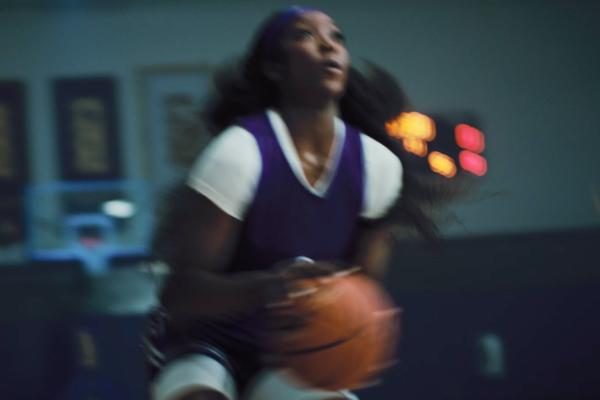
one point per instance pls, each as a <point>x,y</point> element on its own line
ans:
<point>288,285</point>
<point>287,274</point>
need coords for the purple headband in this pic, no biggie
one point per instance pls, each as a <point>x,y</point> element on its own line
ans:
<point>277,26</point>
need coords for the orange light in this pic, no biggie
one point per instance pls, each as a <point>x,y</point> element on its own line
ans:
<point>442,164</point>
<point>415,146</point>
<point>472,163</point>
<point>469,138</point>
<point>393,128</point>
<point>412,125</point>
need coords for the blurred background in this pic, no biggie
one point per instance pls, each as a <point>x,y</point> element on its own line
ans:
<point>97,103</point>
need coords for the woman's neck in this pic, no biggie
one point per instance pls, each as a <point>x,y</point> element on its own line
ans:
<point>311,128</point>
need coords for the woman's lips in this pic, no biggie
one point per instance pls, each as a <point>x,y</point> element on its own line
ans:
<point>333,66</point>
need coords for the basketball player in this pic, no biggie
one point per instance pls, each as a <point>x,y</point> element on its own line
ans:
<point>302,167</point>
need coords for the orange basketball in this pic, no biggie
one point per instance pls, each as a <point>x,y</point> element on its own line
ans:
<point>349,336</point>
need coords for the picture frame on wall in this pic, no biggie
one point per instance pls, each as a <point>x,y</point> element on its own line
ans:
<point>14,166</point>
<point>172,133</point>
<point>87,128</point>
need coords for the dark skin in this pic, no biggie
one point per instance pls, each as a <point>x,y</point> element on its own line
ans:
<point>311,81</point>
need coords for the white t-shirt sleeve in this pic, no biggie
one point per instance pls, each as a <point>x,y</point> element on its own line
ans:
<point>383,178</point>
<point>228,170</point>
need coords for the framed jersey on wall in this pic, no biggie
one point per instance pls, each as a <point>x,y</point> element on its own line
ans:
<point>87,128</point>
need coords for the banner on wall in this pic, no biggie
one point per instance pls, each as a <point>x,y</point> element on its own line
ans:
<point>13,161</point>
<point>87,128</point>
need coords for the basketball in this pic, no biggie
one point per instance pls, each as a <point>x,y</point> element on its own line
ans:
<point>349,335</point>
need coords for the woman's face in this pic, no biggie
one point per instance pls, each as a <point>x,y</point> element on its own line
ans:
<point>316,61</point>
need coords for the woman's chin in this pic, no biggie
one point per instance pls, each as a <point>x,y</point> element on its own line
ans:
<point>332,90</point>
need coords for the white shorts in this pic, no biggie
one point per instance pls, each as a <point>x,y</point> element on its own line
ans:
<point>195,371</point>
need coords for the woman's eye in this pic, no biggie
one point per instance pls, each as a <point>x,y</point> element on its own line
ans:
<point>302,34</point>
<point>338,37</point>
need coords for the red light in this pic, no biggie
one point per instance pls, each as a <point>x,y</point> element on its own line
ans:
<point>472,163</point>
<point>469,138</point>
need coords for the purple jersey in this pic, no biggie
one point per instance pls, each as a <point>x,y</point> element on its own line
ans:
<point>285,219</point>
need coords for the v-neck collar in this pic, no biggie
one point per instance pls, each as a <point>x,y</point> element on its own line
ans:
<point>284,139</point>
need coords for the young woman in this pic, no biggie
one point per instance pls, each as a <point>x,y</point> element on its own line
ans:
<point>301,167</point>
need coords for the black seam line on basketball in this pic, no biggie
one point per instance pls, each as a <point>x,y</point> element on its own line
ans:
<point>324,346</point>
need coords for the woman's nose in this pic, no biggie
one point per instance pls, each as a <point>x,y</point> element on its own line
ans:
<point>325,43</point>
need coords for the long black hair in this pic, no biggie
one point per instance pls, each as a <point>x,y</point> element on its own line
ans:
<point>370,100</point>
